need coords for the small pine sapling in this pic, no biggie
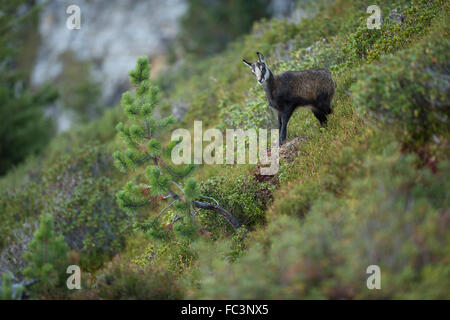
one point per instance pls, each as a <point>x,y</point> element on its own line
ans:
<point>162,180</point>
<point>7,289</point>
<point>46,257</point>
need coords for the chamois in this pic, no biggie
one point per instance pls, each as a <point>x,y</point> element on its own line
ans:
<point>289,90</point>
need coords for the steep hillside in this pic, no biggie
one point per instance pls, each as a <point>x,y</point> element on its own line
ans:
<point>369,189</point>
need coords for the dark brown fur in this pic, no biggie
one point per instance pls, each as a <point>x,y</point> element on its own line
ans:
<point>292,89</point>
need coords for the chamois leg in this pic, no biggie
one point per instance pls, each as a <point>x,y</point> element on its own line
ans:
<point>279,121</point>
<point>285,116</point>
<point>322,108</point>
<point>280,126</point>
<point>320,116</point>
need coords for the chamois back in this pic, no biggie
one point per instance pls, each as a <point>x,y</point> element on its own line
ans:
<point>306,85</point>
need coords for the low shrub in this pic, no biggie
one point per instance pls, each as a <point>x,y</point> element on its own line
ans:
<point>254,115</point>
<point>393,216</point>
<point>11,257</point>
<point>78,191</point>
<point>81,198</point>
<point>243,195</point>
<point>409,91</point>
<point>298,200</point>
<point>17,207</point>
<point>371,44</point>
<point>124,280</point>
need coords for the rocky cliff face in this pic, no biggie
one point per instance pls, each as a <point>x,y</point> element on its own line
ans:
<point>113,34</point>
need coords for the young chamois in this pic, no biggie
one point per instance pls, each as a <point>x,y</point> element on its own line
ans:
<point>288,90</point>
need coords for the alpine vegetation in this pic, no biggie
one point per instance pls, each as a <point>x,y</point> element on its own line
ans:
<point>213,153</point>
<point>356,210</point>
<point>291,89</point>
<point>163,181</point>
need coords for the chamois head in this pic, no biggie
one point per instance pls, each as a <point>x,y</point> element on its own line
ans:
<point>259,68</point>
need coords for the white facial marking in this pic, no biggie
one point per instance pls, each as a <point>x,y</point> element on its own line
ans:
<point>261,78</point>
<point>258,74</point>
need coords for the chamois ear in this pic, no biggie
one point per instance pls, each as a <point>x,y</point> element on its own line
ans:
<point>261,57</point>
<point>248,64</point>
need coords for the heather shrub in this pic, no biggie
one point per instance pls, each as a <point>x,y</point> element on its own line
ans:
<point>78,191</point>
<point>409,91</point>
<point>371,44</point>
<point>298,200</point>
<point>11,256</point>
<point>176,256</point>
<point>81,197</point>
<point>393,216</point>
<point>17,207</point>
<point>255,114</point>
<point>124,280</point>
<point>243,195</point>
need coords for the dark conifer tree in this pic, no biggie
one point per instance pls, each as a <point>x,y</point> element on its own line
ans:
<point>24,128</point>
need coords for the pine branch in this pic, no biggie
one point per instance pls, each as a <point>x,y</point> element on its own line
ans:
<point>167,207</point>
<point>228,216</point>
